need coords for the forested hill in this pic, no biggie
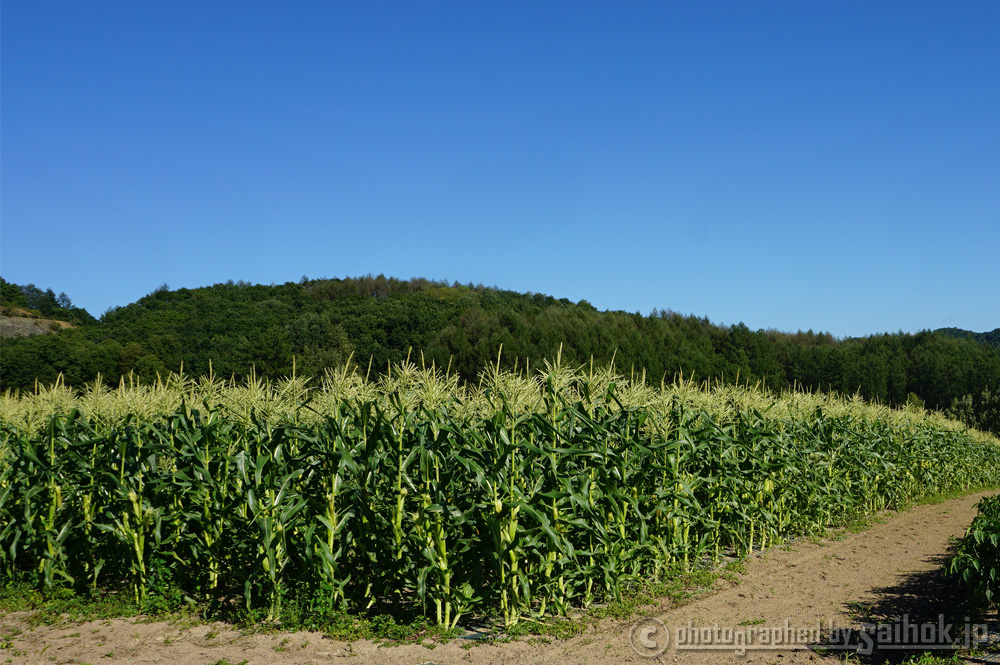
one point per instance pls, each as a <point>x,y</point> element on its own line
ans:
<point>991,338</point>
<point>31,301</point>
<point>321,323</point>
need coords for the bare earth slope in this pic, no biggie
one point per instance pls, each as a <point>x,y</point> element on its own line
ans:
<point>22,326</point>
<point>889,570</point>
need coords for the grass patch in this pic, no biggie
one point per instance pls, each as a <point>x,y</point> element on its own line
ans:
<point>928,658</point>
<point>57,605</point>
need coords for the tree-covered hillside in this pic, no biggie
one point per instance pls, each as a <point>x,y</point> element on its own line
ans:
<point>32,301</point>
<point>314,324</point>
<point>991,338</point>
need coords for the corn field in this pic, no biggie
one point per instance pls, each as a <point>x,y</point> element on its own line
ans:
<point>529,494</point>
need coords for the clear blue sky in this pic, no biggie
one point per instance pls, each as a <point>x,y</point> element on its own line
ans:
<point>791,165</point>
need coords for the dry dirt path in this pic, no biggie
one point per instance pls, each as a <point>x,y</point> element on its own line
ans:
<point>891,569</point>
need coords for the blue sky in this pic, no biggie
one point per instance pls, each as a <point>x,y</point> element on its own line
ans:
<point>790,165</point>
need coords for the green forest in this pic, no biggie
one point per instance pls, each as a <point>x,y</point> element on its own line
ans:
<point>236,328</point>
<point>30,300</point>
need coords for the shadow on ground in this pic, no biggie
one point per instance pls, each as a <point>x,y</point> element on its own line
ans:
<point>926,612</point>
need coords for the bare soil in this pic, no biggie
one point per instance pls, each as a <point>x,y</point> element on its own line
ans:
<point>893,568</point>
<point>22,326</point>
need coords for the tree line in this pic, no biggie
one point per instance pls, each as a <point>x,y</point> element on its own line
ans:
<point>306,327</point>
<point>33,301</point>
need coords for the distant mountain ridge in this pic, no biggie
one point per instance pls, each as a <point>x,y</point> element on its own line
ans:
<point>991,338</point>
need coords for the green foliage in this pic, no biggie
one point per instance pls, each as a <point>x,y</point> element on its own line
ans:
<point>235,329</point>
<point>527,497</point>
<point>51,605</point>
<point>991,338</point>
<point>11,295</point>
<point>928,658</point>
<point>981,411</point>
<point>977,559</point>
<point>42,303</point>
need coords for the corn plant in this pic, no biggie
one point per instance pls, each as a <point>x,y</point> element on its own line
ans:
<point>528,494</point>
<point>977,559</point>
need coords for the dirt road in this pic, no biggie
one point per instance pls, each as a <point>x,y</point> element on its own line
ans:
<point>890,570</point>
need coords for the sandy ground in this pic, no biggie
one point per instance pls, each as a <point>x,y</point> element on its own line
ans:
<point>795,594</point>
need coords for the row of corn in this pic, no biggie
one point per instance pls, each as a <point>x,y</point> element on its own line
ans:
<point>529,495</point>
<point>976,563</point>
